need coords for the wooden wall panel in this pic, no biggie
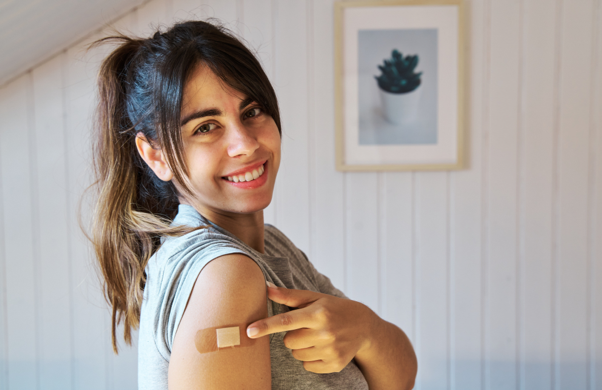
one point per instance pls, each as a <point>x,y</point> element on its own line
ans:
<point>493,271</point>
<point>327,205</point>
<point>54,271</point>
<point>466,235</point>
<point>501,319</point>
<point>538,91</point>
<point>432,240</point>
<point>361,236</point>
<point>572,229</point>
<point>291,84</point>
<point>3,276</point>
<point>396,250</point>
<point>595,341</point>
<point>19,235</point>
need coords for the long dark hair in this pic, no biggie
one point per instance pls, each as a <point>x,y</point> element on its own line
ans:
<point>140,87</point>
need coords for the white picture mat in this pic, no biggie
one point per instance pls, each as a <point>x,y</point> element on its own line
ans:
<point>445,20</point>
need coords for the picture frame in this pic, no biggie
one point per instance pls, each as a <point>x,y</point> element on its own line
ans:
<point>406,114</point>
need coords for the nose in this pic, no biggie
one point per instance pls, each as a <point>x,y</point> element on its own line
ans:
<point>241,140</point>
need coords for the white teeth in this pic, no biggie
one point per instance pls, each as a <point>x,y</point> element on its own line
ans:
<point>248,176</point>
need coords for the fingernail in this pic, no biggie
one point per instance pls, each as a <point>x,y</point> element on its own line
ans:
<point>270,284</point>
<point>252,332</point>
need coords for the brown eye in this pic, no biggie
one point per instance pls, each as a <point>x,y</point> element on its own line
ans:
<point>205,128</point>
<point>253,112</point>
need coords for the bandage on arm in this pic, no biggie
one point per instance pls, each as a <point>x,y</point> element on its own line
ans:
<point>229,292</point>
<point>221,338</point>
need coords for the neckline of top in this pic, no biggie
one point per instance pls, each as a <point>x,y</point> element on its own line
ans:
<point>188,215</point>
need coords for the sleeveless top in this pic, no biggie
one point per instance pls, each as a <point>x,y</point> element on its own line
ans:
<point>171,274</point>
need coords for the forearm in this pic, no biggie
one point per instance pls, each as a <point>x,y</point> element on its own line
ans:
<point>389,361</point>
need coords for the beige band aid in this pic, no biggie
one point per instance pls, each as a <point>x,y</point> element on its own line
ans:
<point>228,337</point>
<point>206,340</point>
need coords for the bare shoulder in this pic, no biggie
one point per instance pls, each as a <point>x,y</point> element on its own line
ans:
<point>230,291</point>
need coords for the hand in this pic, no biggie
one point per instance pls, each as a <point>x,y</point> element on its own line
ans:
<point>325,332</point>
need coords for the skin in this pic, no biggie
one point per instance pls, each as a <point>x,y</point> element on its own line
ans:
<point>326,332</point>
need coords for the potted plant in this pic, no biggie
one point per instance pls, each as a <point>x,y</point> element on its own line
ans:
<point>399,87</point>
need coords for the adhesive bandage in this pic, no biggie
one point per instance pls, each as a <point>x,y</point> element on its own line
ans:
<point>228,337</point>
<point>222,339</point>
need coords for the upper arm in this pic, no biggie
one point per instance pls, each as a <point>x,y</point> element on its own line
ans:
<point>229,291</point>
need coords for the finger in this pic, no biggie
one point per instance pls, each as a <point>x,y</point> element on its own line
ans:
<point>318,367</point>
<point>307,354</point>
<point>291,297</point>
<point>324,367</point>
<point>300,338</point>
<point>284,322</point>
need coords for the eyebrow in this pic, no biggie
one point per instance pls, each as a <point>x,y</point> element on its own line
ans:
<point>213,111</point>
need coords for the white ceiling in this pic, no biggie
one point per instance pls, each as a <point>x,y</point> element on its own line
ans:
<point>32,31</point>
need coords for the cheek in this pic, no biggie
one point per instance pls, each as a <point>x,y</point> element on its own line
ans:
<point>202,165</point>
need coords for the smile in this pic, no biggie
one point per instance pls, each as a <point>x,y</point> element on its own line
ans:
<point>247,176</point>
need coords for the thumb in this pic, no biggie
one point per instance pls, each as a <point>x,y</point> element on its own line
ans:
<point>291,297</point>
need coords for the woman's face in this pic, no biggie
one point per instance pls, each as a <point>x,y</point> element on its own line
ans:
<point>227,137</point>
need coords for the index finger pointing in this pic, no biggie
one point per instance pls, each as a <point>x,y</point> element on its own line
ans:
<point>283,322</point>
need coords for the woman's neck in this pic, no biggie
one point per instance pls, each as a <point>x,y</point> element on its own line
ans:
<point>246,227</point>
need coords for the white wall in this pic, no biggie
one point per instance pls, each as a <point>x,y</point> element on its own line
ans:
<point>494,271</point>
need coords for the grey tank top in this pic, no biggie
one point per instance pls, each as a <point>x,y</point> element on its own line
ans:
<point>171,274</point>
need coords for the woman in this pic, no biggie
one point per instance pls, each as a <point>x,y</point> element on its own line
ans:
<point>186,157</point>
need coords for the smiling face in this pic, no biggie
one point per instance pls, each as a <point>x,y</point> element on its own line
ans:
<point>227,137</point>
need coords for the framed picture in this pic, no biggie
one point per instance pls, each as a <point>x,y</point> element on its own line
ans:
<point>399,85</point>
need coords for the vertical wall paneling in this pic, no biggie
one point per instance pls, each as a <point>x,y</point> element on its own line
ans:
<point>575,106</point>
<point>594,196</point>
<point>596,289</point>
<point>361,226</point>
<point>3,276</point>
<point>432,239</point>
<point>90,314</point>
<point>465,207</point>
<point>596,342</point>
<point>494,271</point>
<point>257,30</point>
<point>327,194</point>
<point>19,238</point>
<point>395,242</point>
<point>53,232</point>
<point>292,207</point>
<point>503,120</point>
<point>537,113</point>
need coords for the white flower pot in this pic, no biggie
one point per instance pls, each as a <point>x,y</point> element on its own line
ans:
<point>400,108</point>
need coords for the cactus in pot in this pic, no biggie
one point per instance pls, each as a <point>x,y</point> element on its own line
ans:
<point>396,82</point>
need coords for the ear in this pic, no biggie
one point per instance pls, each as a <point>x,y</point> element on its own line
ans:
<point>153,157</point>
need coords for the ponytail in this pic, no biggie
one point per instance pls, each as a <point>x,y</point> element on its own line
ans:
<point>134,208</point>
<point>140,86</point>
